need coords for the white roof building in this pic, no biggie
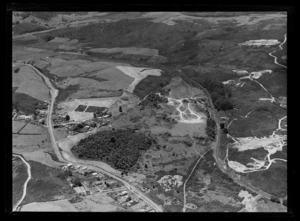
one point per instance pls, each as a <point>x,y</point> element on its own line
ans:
<point>123,192</point>
<point>79,189</point>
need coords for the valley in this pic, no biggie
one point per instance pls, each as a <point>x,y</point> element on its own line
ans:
<point>150,112</point>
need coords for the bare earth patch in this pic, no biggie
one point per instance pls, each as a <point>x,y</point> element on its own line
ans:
<point>138,74</point>
<point>54,206</point>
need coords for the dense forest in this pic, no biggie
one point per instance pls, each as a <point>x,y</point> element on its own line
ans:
<point>119,148</point>
<point>220,94</point>
<point>211,128</point>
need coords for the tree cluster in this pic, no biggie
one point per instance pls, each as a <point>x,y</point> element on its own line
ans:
<point>120,148</point>
<point>211,128</point>
<point>154,100</point>
<point>219,93</point>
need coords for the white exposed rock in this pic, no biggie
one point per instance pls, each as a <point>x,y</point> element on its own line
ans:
<point>240,71</point>
<point>261,42</point>
<point>169,181</point>
<point>249,201</point>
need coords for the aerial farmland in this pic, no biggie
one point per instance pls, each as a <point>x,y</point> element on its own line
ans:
<point>149,112</point>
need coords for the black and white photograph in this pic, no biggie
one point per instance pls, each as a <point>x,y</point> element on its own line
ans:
<point>149,111</point>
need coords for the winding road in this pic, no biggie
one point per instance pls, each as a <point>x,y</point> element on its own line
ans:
<point>26,182</point>
<point>54,93</point>
<point>275,58</point>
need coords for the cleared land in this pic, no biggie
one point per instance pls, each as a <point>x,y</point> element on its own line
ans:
<point>259,124</point>
<point>34,89</point>
<point>54,206</point>
<point>69,107</point>
<point>17,125</point>
<point>23,74</point>
<point>129,50</point>
<point>28,82</point>
<point>32,129</point>
<point>35,147</point>
<point>138,74</point>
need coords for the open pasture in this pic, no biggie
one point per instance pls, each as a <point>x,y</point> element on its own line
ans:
<point>22,54</point>
<point>35,89</point>
<point>17,125</point>
<point>33,129</point>
<point>182,129</point>
<point>99,102</point>
<point>74,67</point>
<point>69,107</point>
<point>138,74</point>
<point>258,123</point>
<point>129,50</point>
<point>81,116</point>
<point>35,153</point>
<point>35,147</point>
<point>25,73</point>
<point>28,140</point>
<point>116,79</point>
<point>54,206</point>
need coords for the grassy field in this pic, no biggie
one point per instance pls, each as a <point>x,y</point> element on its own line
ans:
<point>258,123</point>
<point>26,27</point>
<point>64,93</point>
<point>24,102</point>
<point>34,89</point>
<point>244,157</point>
<point>28,82</point>
<point>46,184</point>
<point>17,125</point>
<point>211,189</point>
<point>25,73</point>
<point>275,83</point>
<point>30,128</point>
<point>273,180</point>
<point>19,177</point>
<point>36,147</point>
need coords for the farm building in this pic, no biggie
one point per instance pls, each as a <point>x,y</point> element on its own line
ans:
<point>25,117</point>
<point>79,190</point>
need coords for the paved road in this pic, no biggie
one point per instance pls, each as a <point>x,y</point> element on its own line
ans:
<point>25,184</point>
<point>54,93</point>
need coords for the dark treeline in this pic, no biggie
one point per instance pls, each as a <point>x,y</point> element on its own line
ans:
<point>211,128</point>
<point>154,100</point>
<point>219,93</point>
<point>120,148</point>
